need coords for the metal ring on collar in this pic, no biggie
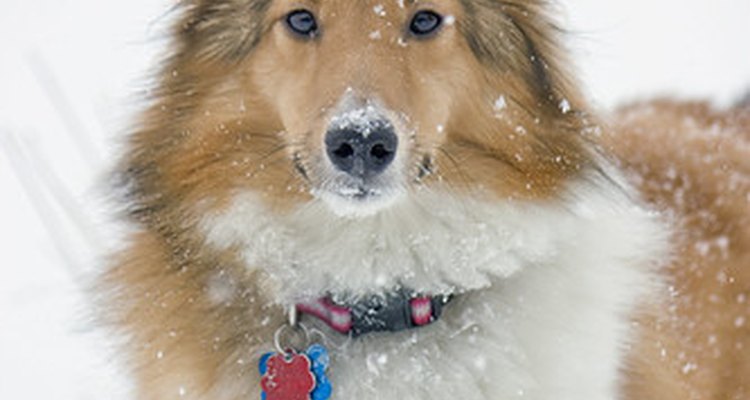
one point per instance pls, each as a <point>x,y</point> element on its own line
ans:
<point>299,328</point>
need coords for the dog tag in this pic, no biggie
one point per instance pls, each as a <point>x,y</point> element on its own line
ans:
<point>295,376</point>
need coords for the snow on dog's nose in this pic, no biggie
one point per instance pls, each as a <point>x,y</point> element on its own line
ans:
<point>363,157</point>
<point>361,147</point>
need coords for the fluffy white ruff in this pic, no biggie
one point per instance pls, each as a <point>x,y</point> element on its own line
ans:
<point>548,287</point>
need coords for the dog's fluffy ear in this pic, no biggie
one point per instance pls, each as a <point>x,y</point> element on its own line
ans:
<point>528,46</point>
<point>221,30</point>
<point>209,38</point>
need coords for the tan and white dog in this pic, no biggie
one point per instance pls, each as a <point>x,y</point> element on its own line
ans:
<point>355,148</point>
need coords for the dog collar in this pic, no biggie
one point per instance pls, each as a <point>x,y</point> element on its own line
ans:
<point>292,373</point>
<point>392,312</point>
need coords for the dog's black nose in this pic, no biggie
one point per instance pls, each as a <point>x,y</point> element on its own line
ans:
<point>362,151</point>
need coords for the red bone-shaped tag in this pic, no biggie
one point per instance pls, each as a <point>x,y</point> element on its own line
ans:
<point>288,377</point>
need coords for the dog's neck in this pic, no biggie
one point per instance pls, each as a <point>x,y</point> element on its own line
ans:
<point>393,311</point>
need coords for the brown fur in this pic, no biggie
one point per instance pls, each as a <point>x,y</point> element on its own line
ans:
<point>692,162</point>
<point>242,104</point>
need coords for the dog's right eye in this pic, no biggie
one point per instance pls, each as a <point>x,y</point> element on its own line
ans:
<point>425,23</point>
<point>302,22</point>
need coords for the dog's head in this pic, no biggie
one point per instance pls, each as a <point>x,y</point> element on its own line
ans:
<point>359,103</point>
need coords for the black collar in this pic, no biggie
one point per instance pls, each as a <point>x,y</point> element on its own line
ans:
<point>390,312</point>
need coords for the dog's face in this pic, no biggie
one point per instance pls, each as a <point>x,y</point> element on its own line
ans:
<point>364,91</point>
<point>361,103</point>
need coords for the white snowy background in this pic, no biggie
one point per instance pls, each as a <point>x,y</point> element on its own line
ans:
<point>71,76</point>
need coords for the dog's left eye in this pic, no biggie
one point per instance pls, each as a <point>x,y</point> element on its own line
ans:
<point>302,22</point>
<point>425,23</point>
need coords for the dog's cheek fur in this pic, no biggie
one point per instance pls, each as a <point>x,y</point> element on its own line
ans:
<point>536,141</point>
<point>207,119</point>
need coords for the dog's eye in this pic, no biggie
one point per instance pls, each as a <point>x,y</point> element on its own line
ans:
<point>425,23</point>
<point>302,22</point>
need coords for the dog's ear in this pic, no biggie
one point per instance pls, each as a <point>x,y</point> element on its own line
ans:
<point>209,37</point>
<point>221,30</point>
<point>520,36</point>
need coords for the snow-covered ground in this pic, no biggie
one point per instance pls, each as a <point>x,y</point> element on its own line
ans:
<point>71,74</point>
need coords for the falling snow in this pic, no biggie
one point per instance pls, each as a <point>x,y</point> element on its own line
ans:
<point>689,367</point>
<point>41,304</point>
<point>564,106</point>
<point>379,10</point>
<point>500,104</point>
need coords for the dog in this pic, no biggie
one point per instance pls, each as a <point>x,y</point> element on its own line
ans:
<point>422,189</point>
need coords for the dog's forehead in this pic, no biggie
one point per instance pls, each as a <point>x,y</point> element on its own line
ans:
<point>379,8</point>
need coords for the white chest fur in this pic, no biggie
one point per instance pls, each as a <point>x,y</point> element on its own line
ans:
<point>548,287</point>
